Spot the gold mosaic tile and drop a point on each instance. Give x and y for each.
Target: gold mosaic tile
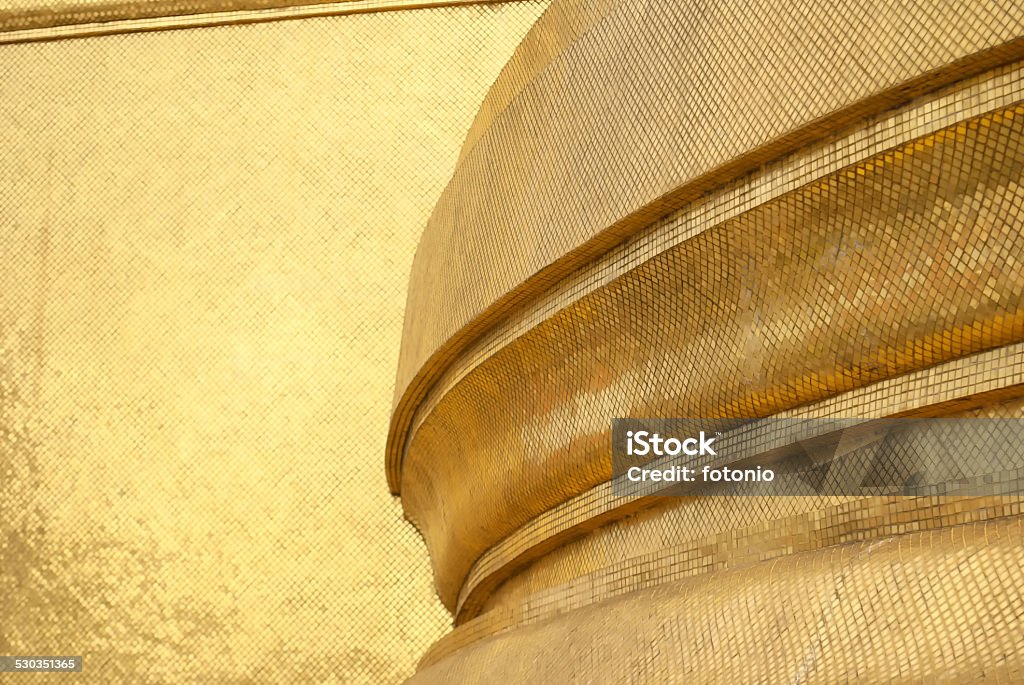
(206, 236)
(679, 537)
(732, 211)
(547, 539)
(825, 616)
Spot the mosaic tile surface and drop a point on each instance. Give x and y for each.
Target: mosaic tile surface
(205, 238)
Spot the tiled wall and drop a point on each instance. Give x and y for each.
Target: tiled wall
(205, 239)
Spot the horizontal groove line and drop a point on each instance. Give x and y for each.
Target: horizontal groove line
(77, 25)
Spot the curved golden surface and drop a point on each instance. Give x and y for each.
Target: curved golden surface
(598, 529)
(645, 109)
(719, 210)
(594, 572)
(684, 537)
(888, 265)
(935, 606)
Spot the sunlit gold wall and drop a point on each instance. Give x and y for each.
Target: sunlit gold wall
(205, 239)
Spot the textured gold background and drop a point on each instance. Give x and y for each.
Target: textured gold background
(206, 238)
